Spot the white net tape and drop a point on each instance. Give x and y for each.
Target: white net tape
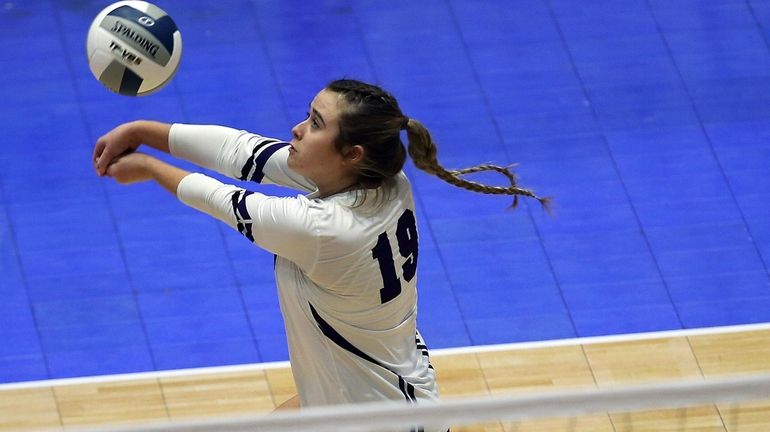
(526, 406)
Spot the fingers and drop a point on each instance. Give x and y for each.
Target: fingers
(105, 158)
(109, 147)
(110, 171)
(98, 150)
(128, 168)
(120, 170)
(104, 155)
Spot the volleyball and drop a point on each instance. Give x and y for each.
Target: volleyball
(133, 48)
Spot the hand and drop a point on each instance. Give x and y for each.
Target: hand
(131, 168)
(113, 145)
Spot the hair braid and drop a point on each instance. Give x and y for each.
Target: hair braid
(424, 153)
(506, 171)
(371, 117)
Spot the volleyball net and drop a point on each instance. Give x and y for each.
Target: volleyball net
(732, 404)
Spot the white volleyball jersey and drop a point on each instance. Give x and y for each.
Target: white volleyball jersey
(346, 273)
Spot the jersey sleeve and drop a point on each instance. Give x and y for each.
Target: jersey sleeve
(237, 154)
(280, 225)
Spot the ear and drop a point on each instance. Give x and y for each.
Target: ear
(354, 154)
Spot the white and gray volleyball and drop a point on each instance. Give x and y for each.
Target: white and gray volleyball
(133, 48)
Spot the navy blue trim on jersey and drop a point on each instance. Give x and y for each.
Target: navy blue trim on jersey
(406, 388)
(242, 213)
(163, 29)
(337, 338)
(423, 348)
(261, 160)
(250, 161)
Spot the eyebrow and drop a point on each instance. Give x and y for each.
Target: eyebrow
(320, 117)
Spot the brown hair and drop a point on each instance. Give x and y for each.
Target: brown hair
(371, 118)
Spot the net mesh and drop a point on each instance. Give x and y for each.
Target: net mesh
(735, 404)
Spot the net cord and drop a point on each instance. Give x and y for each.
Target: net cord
(522, 406)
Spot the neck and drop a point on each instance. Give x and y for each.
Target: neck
(334, 188)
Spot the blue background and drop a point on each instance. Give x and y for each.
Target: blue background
(647, 121)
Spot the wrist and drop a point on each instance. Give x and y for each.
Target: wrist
(164, 174)
(151, 166)
(133, 133)
(150, 133)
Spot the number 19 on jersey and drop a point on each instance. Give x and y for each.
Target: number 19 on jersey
(406, 238)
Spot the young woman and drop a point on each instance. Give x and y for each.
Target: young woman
(346, 252)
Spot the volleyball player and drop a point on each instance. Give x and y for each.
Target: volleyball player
(346, 251)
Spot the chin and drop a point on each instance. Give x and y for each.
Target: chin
(293, 164)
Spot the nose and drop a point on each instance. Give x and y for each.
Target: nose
(296, 131)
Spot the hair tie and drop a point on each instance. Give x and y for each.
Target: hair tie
(404, 122)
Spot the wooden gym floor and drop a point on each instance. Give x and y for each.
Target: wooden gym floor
(590, 362)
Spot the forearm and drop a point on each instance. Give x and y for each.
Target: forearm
(168, 176)
(150, 133)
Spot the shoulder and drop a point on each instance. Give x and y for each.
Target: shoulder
(402, 180)
(363, 207)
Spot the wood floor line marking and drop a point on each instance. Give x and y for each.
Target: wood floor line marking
(253, 367)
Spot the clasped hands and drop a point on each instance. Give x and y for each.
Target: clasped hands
(115, 156)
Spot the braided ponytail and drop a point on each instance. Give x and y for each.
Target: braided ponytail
(371, 117)
(423, 152)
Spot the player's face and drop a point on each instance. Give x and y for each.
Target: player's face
(312, 152)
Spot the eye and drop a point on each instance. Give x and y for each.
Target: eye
(313, 122)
